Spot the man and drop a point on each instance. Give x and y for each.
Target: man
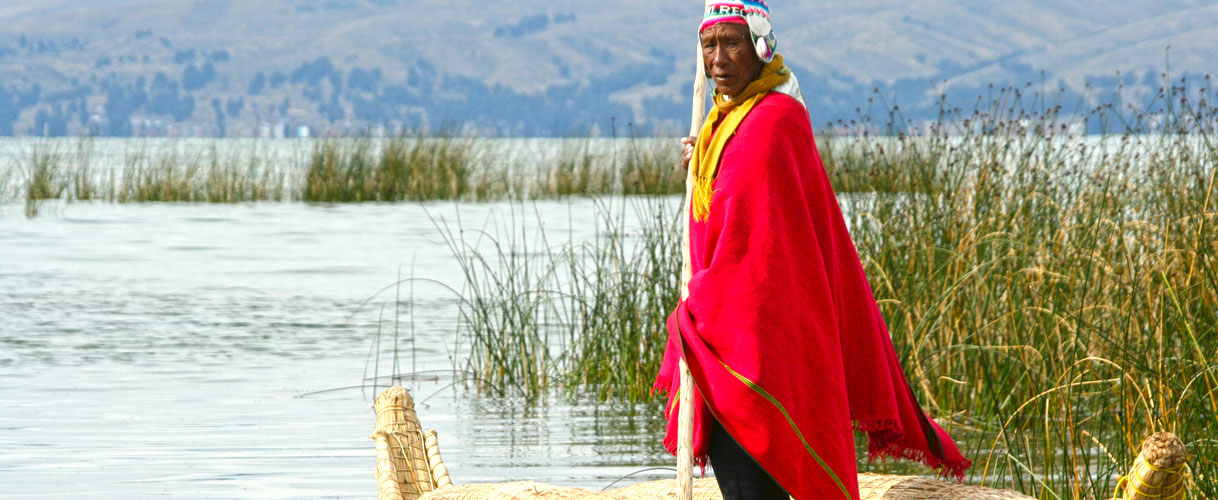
(780, 330)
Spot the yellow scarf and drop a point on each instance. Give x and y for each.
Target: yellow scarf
(705, 163)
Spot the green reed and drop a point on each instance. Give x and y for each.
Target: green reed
(420, 168)
(43, 174)
(882, 166)
(576, 171)
(1053, 296)
(508, 306)
(54, 173)
(243, 176)
(638, 168)
(9, 179)
(621, 285)
(581, 315)
(170, 174)
(651, 170)
(414, 168)
(435, 168)
(41, 180)
(165, 173)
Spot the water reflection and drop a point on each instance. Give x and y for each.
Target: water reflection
(159, 349)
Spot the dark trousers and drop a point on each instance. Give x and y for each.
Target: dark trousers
(740, 478)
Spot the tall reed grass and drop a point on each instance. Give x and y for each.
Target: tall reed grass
(170, 175)
(640, 168)
(578, 314)
(1053, 295)
(449, 168)
(342, 170)
(401, 169)
(143, 172)
(1055, 292)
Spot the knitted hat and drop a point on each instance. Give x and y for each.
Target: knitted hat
(752, 13)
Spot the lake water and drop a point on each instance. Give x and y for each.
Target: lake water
(152, 350)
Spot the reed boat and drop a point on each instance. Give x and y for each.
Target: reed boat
(409, 467)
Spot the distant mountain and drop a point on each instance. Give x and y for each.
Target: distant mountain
(223, 67)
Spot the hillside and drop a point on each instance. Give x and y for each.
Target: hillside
(221, 67)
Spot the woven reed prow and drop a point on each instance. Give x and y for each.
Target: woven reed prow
(408, 462)
(1159, 471)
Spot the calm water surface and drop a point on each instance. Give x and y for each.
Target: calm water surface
(157, 350)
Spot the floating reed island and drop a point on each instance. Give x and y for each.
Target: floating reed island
(409, 467)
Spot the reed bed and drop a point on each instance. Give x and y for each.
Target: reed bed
(404, 169)
(583, 315)
(853, 166)
(1053, 295)
(1057, 294)
(576, 171)
(638, 168)
(464, 169)
(173, 176)
(142, 172)
(339, 170)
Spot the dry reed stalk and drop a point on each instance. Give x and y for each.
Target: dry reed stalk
(386, 471)
(1158, 472)
(439, 471)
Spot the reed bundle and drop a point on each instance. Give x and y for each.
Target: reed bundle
(1159, 471)
(402, 469)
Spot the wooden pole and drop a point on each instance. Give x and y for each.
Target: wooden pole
(685, 410)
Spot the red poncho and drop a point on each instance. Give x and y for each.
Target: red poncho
(781, 331)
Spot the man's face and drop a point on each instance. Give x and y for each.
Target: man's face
(730, 59)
